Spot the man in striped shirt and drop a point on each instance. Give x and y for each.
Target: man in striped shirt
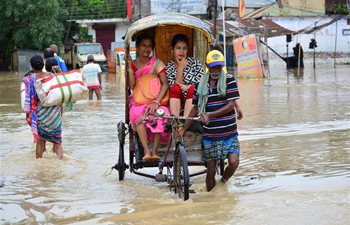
(215, 100)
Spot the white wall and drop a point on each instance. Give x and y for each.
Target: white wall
(120, 31)
(325, 37)
(92, 32)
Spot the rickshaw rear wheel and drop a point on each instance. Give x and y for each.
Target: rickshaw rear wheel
(180, 171)
(121, 162)
(121, 167)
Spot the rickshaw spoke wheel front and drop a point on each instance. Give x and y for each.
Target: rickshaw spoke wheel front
(181, 175)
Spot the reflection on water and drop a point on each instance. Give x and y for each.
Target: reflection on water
(294, 162)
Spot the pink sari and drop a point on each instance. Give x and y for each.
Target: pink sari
(153, 66)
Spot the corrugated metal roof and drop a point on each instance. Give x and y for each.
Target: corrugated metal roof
(259, 27)
(265, 26)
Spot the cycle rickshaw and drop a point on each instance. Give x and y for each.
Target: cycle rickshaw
(180, 152)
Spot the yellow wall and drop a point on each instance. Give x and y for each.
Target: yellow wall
(291, 8)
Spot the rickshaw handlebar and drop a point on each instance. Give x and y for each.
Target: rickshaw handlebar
(197, 118)
(160, 115)
(172, 117)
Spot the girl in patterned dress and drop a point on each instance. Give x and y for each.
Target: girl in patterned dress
(183, 73)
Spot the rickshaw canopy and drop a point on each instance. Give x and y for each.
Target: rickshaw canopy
(170, 18)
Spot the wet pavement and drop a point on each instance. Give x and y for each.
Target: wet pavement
(294, 160)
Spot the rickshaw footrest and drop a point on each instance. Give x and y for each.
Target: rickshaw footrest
(161, 177)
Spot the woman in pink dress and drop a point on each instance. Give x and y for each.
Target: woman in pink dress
(144, 65)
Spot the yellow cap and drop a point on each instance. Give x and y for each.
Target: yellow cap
(215, 58)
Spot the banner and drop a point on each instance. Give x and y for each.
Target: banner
(247, 57)
(181, 6)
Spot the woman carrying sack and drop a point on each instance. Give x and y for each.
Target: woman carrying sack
(45, 122)
(148, 97)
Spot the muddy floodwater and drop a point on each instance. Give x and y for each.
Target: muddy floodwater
(295, 160)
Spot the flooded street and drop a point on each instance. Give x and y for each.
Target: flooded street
(295, 160)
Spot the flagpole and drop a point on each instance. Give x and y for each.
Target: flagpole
(224, 27)
(129, 9)
(239, 19)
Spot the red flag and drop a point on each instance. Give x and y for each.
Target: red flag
(128, 9)
(241, 8)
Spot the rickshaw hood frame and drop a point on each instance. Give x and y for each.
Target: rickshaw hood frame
(170, 18)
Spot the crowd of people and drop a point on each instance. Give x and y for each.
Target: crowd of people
(179, 87)
(46, 122)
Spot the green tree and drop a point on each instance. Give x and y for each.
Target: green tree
(31, 24)
(35, 24)
(340, 9)
(97, 9)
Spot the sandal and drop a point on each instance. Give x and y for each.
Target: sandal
(155, 158)
(147, 158)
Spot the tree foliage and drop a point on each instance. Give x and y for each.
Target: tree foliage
(97, 9)
(31, 24)
(340, 9)
(35, 24)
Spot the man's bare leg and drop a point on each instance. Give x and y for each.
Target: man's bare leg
(98, 94)
(90, 94)
(210, 178)
(233, 162)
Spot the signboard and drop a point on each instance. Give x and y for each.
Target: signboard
(180, 6)
(247, 57)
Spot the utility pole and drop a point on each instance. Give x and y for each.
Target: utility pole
(267, 52)
(298, 60)
(315, 48)
(140, 6)
(223, 26)
(239, 19)
(215, 16)
(335, 43)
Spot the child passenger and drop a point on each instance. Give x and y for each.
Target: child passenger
(215, 99)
